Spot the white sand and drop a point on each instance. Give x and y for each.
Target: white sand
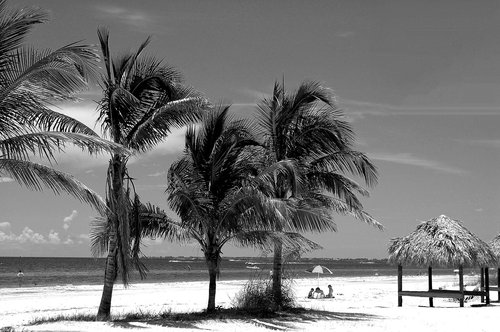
(360, 304)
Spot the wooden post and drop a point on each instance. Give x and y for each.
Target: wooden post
(498, 283)
(429, 273)
(487, 284)
(482, 284)
(461, 283)
(400, 285)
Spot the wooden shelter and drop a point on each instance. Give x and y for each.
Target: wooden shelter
(495, 246)
(445, 243)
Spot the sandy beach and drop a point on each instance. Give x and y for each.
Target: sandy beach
(368, 303)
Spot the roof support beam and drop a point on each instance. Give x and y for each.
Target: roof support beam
(429, 274)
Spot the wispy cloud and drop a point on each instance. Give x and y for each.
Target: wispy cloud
(411, 160)
(135, 19)
(67, 220)
(131, 17)
(358, 109)
(489, 143)
(162, 173)
(253, 94)
(345, 34)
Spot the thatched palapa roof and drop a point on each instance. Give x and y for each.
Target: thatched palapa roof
(441, 242)
(495, 246)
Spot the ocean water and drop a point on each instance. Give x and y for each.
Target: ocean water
(48, 271)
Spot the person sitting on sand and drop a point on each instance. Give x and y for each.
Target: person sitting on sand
(318, 293)
(330, 292)
(310, 295)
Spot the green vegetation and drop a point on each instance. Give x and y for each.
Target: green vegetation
(305, 131)
(257, 296)
(143, 100)
(31, 81)
(261, 183)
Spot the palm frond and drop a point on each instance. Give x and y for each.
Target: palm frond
(49, 75)
(348, 161)
(44, 144)
(36, 176)
(157, 124)
(15, 24)
(46, 119)
(186, 191)
(265, 240)
(99, 236)
(156, 223)
(103, 35)
(336, 205)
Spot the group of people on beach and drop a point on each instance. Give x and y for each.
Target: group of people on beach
(319, 294)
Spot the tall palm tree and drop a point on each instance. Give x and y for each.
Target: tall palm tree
(213, 188)
(306, 130)
(30, 81)
(143, 101)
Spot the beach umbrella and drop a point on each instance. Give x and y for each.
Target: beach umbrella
(319, 269)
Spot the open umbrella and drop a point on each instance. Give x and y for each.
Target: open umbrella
(319, 269)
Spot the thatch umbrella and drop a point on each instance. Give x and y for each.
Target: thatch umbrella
(495, 246)
(441, 242)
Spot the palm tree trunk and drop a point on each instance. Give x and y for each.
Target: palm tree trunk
(277, 274)
(212, 259)
(110, 274)
(212, 272)
(117, 209)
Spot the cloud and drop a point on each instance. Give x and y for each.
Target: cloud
(5, 225)
(254, 94)
(67, 220)
(135, 19)
(345, 34)
(162, 173)
(359, 109)
(78, 239)
(27, 235)
(5, 179)
(53, 237)
(488, 143)
(409, 159)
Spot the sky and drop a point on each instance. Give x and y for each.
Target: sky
(418, 80)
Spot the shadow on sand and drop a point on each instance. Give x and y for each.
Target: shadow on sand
(281, 321)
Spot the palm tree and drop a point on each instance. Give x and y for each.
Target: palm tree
(143, 100)
(214, 190)
(307, 131)
(30, 81)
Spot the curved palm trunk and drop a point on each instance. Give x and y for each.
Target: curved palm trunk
(277, 274)
(117, 205)
(110, 275)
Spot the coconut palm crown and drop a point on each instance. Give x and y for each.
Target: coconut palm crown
(30, 82)
(213, 188)
(306, 131)
(143, 100)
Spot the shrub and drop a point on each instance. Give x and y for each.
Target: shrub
(257, 296)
